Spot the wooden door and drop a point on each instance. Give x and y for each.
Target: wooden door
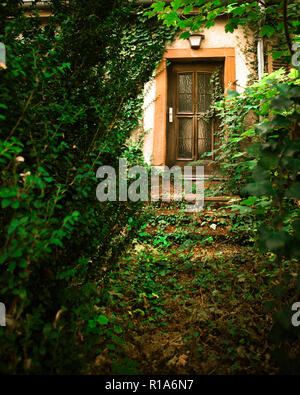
(189, 96)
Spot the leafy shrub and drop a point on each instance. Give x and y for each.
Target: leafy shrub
(69, 99)
(276, 178)
(239, 114)
(262, 159)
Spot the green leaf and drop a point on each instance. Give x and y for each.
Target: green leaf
(177, 4)
(267, 30)
(281, 103)
(185, 35)
(251, 200)
(102, 320)
(118, 329)
(260, 188)
(158, 6)
(254, 149)
(92, 324)
(111, 347)
(294, 191)
(231, 94)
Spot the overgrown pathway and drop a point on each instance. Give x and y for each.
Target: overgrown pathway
(188, 298)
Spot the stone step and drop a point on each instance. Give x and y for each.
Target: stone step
(208, 200)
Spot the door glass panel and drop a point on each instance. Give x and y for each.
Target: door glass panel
(185, 92)
(204, 89)
(204, 137)
(185, 137)
(185, 148)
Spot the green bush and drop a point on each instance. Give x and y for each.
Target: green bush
(239, 114)
(260, 154)
(69, 99)
(262, 160)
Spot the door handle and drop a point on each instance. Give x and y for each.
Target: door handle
(170, 114)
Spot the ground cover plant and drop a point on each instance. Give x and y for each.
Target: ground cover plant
(194, 305)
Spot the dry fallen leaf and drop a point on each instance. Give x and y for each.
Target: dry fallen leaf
(182, 360)
(172, 361)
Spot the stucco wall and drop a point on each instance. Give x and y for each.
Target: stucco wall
(148, 119)
(215, 37)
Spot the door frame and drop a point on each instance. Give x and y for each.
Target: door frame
(160, 112)
(176, 68)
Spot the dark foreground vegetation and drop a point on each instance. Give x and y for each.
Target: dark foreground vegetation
(189, 297)
(70, 97)
(120, 287)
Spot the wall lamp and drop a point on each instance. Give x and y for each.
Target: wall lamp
(195, 40)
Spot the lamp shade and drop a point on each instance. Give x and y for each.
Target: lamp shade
(195, 40)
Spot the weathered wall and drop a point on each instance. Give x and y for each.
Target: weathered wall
(149, 107)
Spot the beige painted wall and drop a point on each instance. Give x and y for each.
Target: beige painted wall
(148, 119)
(215, 37)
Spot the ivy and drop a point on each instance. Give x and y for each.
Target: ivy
(70, 97)
(216, 95)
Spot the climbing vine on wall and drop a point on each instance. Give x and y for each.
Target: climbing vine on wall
(69, 99)
(216, 94)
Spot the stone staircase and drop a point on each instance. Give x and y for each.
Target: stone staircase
(207, 181)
